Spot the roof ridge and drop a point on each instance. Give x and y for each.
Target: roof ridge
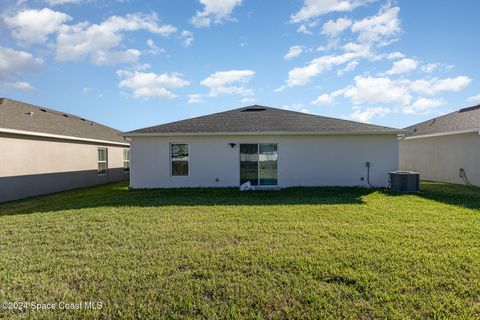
(442, 116)
(197, 117)
(58, 112)
(332, 118)
(51, 121)
(273, 119)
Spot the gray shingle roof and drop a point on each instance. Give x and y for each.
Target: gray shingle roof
(262, 119)
(463, 119)
(18, 115)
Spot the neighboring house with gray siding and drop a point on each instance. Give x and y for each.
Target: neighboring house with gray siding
(446, 148)
(45, 151)
(268, 147)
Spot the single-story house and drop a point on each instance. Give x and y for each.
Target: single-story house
(445, 148)
(268, 147)
(45, 151)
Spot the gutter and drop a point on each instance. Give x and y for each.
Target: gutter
(440, 134)
(264, 133)
(58, 136)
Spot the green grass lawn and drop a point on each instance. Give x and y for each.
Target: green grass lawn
(208, 253)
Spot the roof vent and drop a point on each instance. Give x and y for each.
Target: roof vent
(43, 110)
(254, 109)
(65, 115)
(29, 113)
(469, 109)
(83, 119)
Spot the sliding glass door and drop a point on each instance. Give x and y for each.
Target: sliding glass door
(249, 163)
(258, 164)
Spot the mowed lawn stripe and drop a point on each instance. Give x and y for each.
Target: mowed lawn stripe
(209, 253)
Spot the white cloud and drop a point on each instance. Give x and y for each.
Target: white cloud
(395, 55)
(231, 90)
(323, 99)
(368, 114)
(300, 76)
(186, 37)
(19, 85)
(229, 82)
(350, 67)
(195, 98)
(34, 26)
(153, 49)
(149, 84)
(403, 66)
(97, 42)
(381, 27)
(429, 67)
(60, 2)
(423, 106)
(293, 52)
(435, 85)
(222, 78)
(474, 99)
(315, 8)
(334, 28)
(377, 90)
(368, 90)
(214, 11)
(303, 29)
(115, 57)
(247, 100)
(13, 64)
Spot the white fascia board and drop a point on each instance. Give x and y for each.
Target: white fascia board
(58, 136)
(440, 134)
(264, 133)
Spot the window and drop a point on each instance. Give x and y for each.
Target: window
(126, 160)
(258, 164)
(179, 159)
(102, 161)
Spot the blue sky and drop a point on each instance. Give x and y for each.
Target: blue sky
(131, 63)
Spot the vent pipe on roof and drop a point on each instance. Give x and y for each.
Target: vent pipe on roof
(29, 113)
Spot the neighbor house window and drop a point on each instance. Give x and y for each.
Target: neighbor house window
(126, 160)
(179, 159)
(102, 160)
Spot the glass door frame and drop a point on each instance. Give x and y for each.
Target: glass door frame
(258, 163)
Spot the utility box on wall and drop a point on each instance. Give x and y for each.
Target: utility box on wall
(404, 181)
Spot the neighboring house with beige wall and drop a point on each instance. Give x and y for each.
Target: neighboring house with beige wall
(445, 148)
(45, 151)
(268, 147)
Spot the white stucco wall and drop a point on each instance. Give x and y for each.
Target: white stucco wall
(335, 160)
(440, 158)
(31, 166)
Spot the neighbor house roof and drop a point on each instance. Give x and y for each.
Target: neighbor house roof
(22, 118)
(262, 120)
(463, 120)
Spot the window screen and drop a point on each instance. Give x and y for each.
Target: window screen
(179, 159)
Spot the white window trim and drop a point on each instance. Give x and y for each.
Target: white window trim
(171, 160)
(124, 161)
(103, 161)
